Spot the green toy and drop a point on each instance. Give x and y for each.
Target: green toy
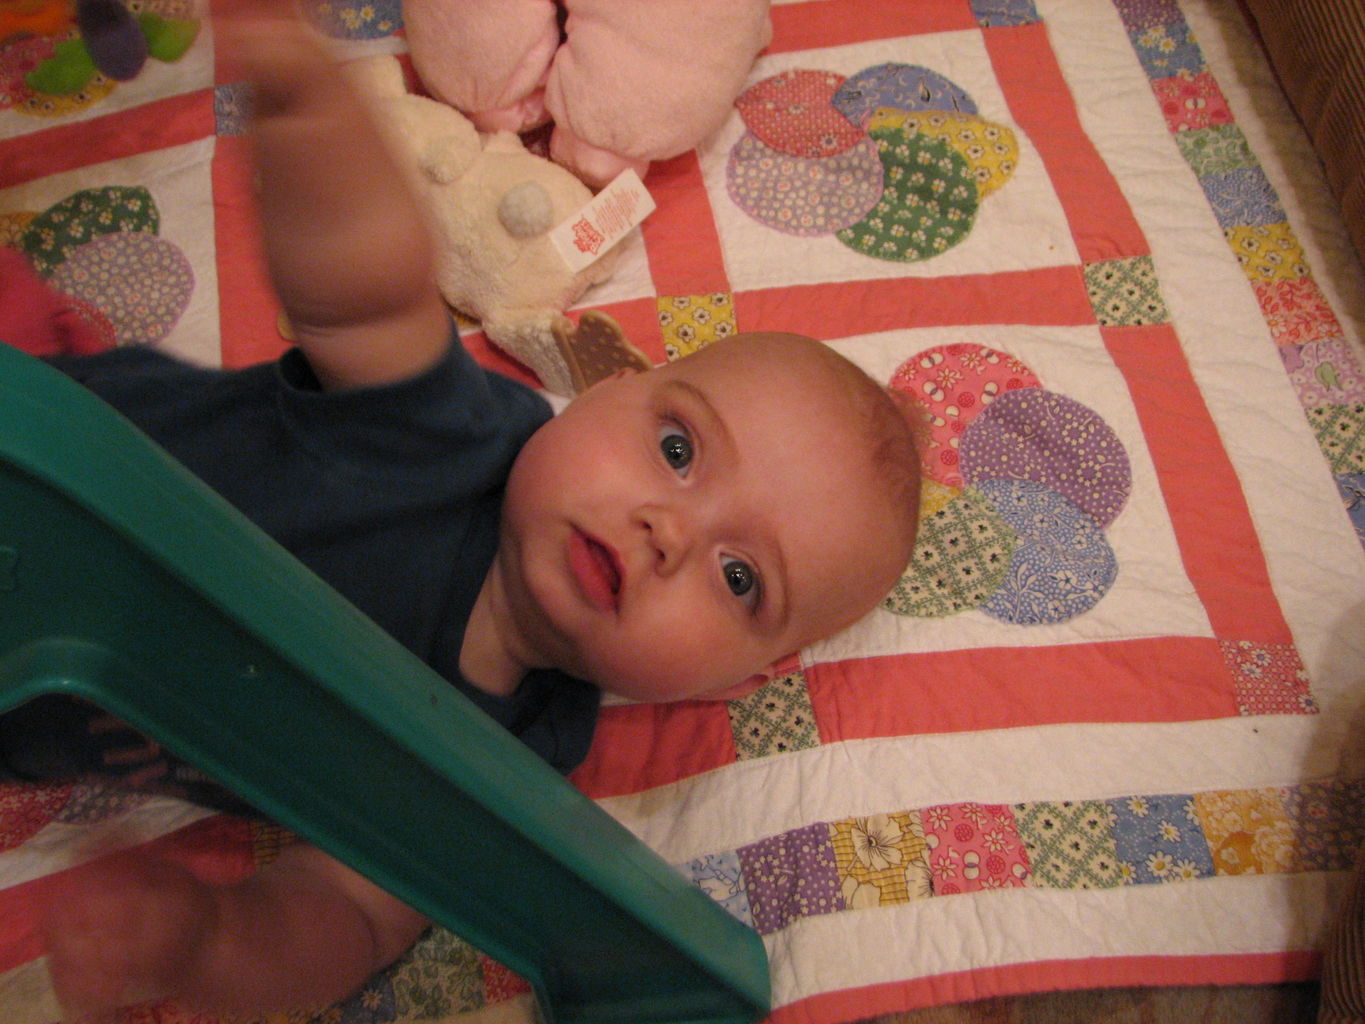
(124, 580)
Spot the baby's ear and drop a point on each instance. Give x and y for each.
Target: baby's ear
(745, 688)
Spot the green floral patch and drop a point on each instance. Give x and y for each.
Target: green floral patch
(83, 216)
(777, 718)
(1070, 845)
(928, 203)
(1216, 149)
(1340, 430)
(1124, 292)
(438, 976)
(960, 560)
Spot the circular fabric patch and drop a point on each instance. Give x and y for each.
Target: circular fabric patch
(901, 87)
(142, 283)
(356, 19)
(1063, 565)
(928, 202)
(17, 59)
(84, 215)
(794, 114)
(960, 559)
(802, 196)
(954, 383)
(41, 104)
(991, 150)
(25, 809)
(1036, 435)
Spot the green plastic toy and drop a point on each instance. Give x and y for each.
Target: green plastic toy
(124, 580)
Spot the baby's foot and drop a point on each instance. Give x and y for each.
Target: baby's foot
(124, 930)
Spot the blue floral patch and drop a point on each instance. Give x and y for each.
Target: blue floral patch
(998, 13)
(356, 19)
(721, 877)
(1063, 565)
(1242, 196)
(1167, 50)
(1159, 839)
(231, 108)
(1352, 488)
(376, 1003)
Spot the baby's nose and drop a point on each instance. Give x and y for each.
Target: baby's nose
(668, 531)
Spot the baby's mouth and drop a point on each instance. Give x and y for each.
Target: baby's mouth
(597, 570)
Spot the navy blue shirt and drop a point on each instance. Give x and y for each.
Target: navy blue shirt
(392, 494)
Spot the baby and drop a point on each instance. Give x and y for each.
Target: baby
(671, 534)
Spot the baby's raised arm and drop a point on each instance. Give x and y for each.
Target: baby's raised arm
(348, 249)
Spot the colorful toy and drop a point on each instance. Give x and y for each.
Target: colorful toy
(493, 204)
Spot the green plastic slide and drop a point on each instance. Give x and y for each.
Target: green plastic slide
(125, 580)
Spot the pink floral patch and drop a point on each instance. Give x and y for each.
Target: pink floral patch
(500, 983)
(1268, 679)
(1191, 102)
(794, 114)
(1296, 311)
(954, 383)
(17, 59)
(973, 847)
(25, 810)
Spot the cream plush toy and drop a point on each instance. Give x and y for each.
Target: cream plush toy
(492, 205)
(626, 82)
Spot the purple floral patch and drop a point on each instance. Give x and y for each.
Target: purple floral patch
(790, 876)
(1325, 372)
(1140, 14)
(140, 281)
(802, 195)
(1038, 435)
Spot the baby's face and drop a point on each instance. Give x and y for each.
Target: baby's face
(672, 533)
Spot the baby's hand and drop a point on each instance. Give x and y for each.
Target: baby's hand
(123, 930)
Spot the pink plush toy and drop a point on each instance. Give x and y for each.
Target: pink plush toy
(626, 82)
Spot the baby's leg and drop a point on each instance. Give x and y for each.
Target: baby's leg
(486, 58)
(303, 932)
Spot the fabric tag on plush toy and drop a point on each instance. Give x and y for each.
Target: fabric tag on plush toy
(606, 219)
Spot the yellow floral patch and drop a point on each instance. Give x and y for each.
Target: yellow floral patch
(690, 322)
(13, 225)
(1248, 832)
(1268, 252)
(881, 859)
(41, 104)
(934, 497)
(991, 150)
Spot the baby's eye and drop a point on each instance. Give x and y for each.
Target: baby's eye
(676, 447)
(742, 579)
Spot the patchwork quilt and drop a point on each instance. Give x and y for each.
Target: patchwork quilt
(1107, 728)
